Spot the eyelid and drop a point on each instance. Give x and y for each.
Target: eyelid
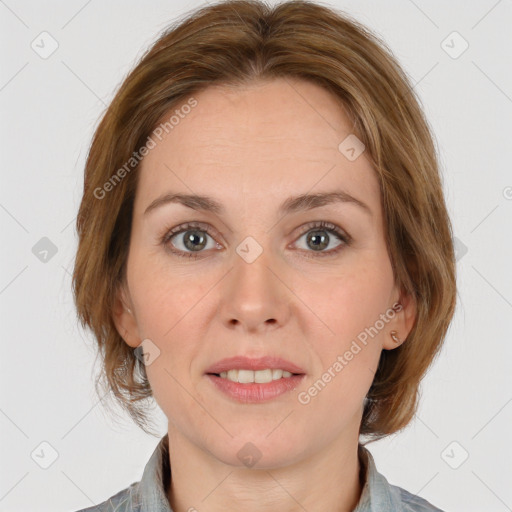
(327, 226)
(185, 226)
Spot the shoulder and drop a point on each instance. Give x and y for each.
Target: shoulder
(120, 502)
(413, 503)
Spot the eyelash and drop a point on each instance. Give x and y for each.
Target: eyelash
(318, 225)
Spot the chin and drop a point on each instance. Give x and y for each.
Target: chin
(259, 450)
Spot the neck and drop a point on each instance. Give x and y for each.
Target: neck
(326, 480)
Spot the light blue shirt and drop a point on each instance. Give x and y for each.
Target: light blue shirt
(150, 494)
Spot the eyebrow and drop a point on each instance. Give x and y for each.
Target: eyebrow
(293, 204)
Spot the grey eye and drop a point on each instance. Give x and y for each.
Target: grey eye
(191, 240)
(319, 239)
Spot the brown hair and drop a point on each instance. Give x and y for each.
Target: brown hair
(236, 42)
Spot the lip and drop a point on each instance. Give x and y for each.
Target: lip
(255, 392)
(250, 363)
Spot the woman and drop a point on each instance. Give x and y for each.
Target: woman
(264, 248)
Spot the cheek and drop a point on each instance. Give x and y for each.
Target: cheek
(164, 296)
(353, 300)
(167, 314)
(349, 351)
(353, 328)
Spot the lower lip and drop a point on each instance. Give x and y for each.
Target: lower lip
(256, 392)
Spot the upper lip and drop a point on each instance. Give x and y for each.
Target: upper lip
(258, 363)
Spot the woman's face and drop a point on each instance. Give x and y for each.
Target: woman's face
(265, 278)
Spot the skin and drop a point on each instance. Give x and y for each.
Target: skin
(251, 148)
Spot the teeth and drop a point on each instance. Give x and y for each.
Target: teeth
(259, 376)
(277, 374)
(245, 376)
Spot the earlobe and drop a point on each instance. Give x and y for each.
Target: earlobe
(124, 320)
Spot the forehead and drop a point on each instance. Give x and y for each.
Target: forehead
(271, 138)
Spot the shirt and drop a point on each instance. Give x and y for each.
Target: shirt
(150, 494)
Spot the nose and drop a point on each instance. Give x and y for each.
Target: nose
(254, 297)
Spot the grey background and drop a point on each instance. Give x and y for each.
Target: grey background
(49, 109)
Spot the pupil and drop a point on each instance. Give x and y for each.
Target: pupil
(319, 239)
(191, 238)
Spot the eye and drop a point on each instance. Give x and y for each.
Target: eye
(189, 240)
(321, 235)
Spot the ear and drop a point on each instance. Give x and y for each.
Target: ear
(405, 309)
(124, 318)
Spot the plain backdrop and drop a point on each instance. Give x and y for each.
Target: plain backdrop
(457, 453)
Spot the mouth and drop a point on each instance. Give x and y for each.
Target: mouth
(251, 380)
